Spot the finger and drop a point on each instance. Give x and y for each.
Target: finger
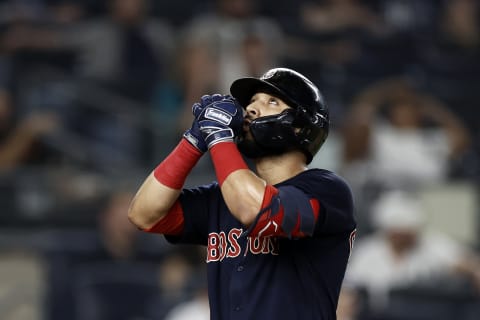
(206, 100)
(231, 99)
(227, 105)
(209, 99)
(197, 109)
(217, 97)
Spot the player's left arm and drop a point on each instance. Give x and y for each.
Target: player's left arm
(266, 210)
(241, 188)
(286, 211)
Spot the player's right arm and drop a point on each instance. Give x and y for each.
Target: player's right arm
(151, 203)
(155, 207)
(157, 197)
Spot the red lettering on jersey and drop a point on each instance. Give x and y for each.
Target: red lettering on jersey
(271, 246)
(221, 246)
(233, 246)
(255, 245)
(216, 247)
(213, 253)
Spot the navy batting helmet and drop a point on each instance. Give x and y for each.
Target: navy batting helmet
(304, 127)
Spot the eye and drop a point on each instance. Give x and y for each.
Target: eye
(273, 101)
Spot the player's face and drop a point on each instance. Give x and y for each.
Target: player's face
(261, 105)
(264, 104)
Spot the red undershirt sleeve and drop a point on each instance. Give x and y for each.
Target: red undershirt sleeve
(226, 159)
(172, 223)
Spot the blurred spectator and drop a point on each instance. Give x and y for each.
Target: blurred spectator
(21, 282)
(336, 16)
(450, 58)
(27, 34)
(119, 60)
(183, 284)
(127, 49)
(117, 236)
(116, 272)
(459, 23)
(402, 254)
(68, 74)
(65, 12)
(194, 309)
(92, 274)
(401, 137)
(329, 42)
(217, 46)
(407, 17)
(341, 28)
(21, 139)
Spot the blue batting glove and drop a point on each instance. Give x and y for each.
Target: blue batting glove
(193, 135)
(220, 121)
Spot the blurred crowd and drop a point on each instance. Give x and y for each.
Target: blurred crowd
(93, 94)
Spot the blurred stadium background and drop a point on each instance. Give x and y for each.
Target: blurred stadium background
(93, 94)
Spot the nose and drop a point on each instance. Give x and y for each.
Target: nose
(252, 111)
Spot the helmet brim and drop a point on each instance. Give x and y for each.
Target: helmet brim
(244, 89)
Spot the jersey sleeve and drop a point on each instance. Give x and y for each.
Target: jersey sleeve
(336, 204)
(315, 203)
(286, 212)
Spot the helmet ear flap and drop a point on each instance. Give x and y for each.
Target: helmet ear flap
(301, 117)
(303, 120)
(312, 130)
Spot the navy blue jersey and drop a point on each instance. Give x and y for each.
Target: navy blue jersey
(273, 277)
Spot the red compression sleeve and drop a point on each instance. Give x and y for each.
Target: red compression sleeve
(172, 223)
(226, 159)
(174, 169)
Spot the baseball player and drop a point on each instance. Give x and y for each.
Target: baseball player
(277, 239)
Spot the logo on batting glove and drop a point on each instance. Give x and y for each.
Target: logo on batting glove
(218, 115)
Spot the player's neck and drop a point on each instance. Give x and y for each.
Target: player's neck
(275, 169)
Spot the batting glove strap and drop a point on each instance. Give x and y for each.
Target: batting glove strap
(214, 133)
(194, 136)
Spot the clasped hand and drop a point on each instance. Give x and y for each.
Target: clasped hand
(218, 118)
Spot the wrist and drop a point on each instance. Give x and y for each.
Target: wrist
(194, 141)
(174, 169)
(195, 137)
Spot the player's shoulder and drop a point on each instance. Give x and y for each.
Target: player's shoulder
(320, 183)
(325, 174)
(322, 176)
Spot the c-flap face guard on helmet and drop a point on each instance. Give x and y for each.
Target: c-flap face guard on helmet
(308, 126)
(274, 132)
(291, 129)
(311, 130)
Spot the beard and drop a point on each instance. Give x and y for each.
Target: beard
(253, 150)
(250, 148)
